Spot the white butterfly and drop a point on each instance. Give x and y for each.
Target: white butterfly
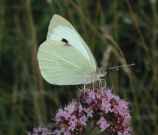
(64, 58)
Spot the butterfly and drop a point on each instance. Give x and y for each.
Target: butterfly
(64, 58)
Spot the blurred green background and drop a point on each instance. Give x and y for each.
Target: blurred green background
(118, 32)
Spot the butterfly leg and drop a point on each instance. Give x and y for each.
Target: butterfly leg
(93, 85)
(84, 87)
(103, 83)
(100, 83)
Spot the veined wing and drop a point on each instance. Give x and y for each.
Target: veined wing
(63, 65)
(60, 28)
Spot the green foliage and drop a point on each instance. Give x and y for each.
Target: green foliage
(118, 32)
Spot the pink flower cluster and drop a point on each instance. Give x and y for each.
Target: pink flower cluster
(95, 109)
(40, 131)
(106, 111)
(71, 119)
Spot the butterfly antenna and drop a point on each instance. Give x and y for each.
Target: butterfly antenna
(120, 66)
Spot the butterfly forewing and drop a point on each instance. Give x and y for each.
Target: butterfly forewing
(60, 28)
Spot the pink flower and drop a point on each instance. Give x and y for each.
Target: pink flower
(105, 105)
(122, 107)
(40, 131)
(103, 124)
(56, 132)
(83, 120)
(72, 123)
(70, 119)
(62, 115)
(127, 131)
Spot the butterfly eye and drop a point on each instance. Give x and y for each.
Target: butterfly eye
(64, 40)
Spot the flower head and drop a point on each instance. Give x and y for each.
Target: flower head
(96, 107)
(110, 112)
(70, 119)
(40, 131)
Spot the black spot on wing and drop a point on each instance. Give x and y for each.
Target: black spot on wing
(66, 42)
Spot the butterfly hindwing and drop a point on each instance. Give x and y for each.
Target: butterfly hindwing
(62, 64)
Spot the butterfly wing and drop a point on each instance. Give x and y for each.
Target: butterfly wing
(60, 28)
(63, 65)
